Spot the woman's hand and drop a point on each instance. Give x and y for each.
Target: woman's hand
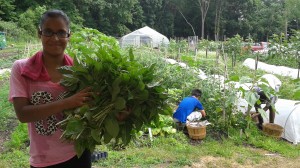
(123, 115)
(79, 99)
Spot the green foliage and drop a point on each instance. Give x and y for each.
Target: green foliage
(13, 32)
(19, 137)
(297, 90)
(7, 9)
(177, 46)
(163, 127)
(126, 87)
(203, 44)
(233, 47)
(284, 52)
(6, 112)
(172, 76)
(29, 20)
(258, 18)
(15, 158)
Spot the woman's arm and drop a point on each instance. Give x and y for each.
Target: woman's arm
(27, 112)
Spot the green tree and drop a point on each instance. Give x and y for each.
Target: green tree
(203, 5)
(29, 20)
(7, 10)
(267, 19)
(150, 8)
(293, 13)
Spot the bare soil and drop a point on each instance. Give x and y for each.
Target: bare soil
(271, 161)
(5, 134)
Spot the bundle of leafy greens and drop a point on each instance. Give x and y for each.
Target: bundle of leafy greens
(127, 89)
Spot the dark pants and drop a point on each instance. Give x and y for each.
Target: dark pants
(83, 162)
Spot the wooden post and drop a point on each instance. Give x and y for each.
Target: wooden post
(232, 59)
(256, 61)
(298, 70)
(298, 59)
(217, 57)
(225, 76)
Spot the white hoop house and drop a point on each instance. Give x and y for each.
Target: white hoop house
(144, 36)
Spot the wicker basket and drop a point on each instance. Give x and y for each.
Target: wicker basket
(196, 132)
(272, 130)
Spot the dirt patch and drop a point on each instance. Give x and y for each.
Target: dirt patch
(270, 160)
(5, 134)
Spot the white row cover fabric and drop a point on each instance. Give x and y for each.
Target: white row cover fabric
(287, 116)
(279, 70)
(201, 74)
(144, 36)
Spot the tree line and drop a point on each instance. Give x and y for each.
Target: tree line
(208, 19)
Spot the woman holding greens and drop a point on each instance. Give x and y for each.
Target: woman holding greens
(38, 98)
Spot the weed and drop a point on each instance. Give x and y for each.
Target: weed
(18, 138)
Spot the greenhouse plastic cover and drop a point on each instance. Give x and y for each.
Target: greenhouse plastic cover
(144, 36)
(279, 70)
(287, 116)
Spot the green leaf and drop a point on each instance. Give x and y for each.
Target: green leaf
(115, 88)
(251, 98)
(120, 103)
(80, 69)
(297, 95)
(144, 95)
(219, 109)
(126, 134)
(70, 78)
(81, 110)
(107, 137)
(138, 124)
(245, 79)
(96, 134)
(235, 78)
(131, 56)
(141, 85)
(125, 77)
(166, 111)
(137, 110)
(74, 126)
(111, 126)
(65, 70)
(262, 112)
(79, 148)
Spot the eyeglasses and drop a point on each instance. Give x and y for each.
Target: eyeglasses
(59, 34)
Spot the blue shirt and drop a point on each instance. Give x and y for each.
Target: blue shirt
(186, 107)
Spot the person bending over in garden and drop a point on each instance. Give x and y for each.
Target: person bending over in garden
(186, 108)
(38, 98)
(270, 101)
(264, 99)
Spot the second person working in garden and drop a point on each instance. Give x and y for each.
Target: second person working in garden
(188, 106)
